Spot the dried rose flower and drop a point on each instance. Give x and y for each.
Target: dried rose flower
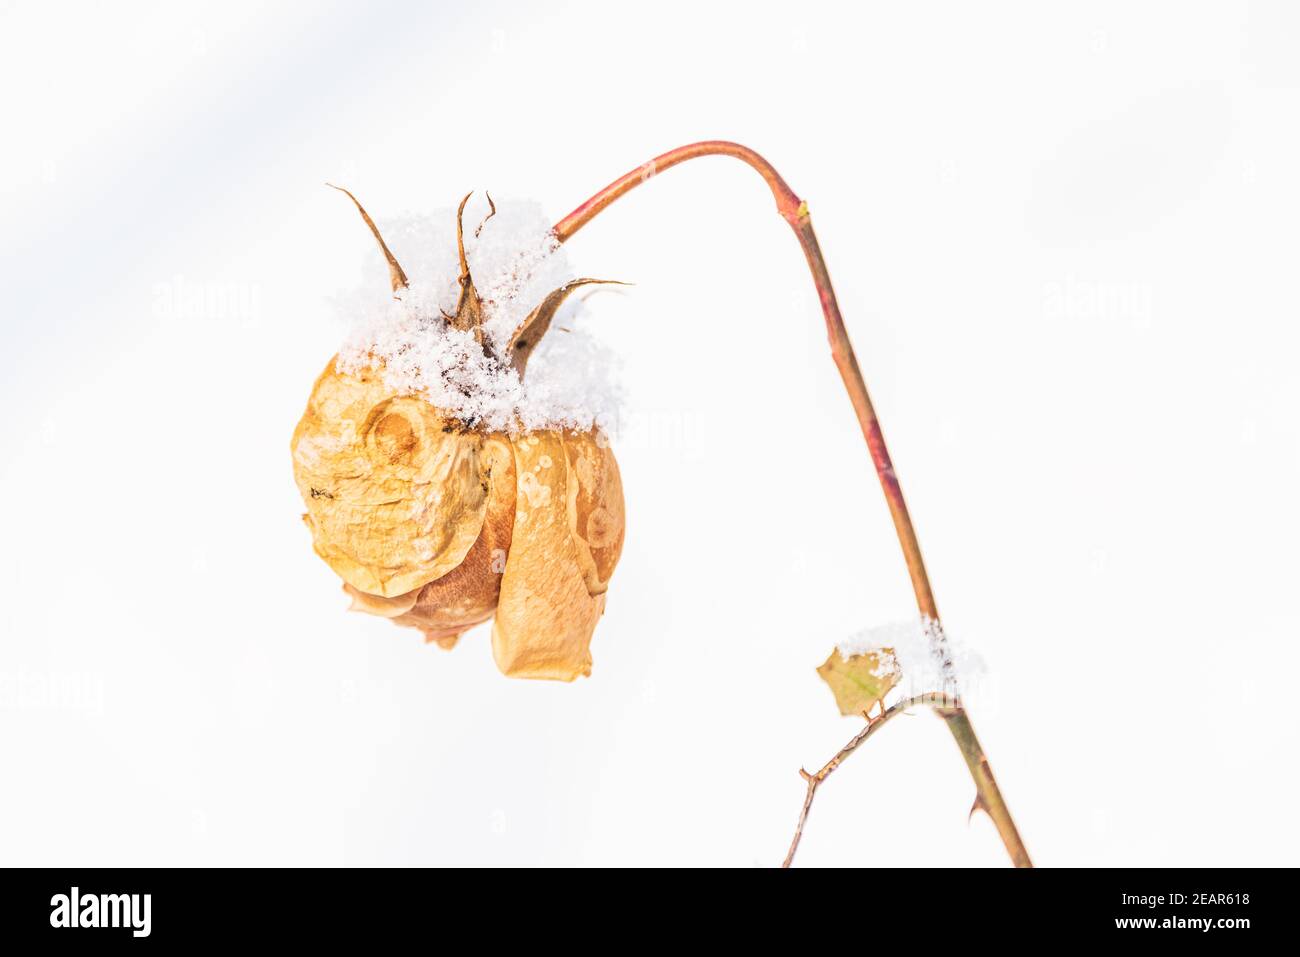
(436, 524)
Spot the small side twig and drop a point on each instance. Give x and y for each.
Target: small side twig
(934, 700)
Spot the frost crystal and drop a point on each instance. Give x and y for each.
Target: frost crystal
(516, 261)
(929, 660)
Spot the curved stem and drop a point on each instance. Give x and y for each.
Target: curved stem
(795, 212)
(787, 203)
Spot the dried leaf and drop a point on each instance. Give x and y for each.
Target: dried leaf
(859, 682)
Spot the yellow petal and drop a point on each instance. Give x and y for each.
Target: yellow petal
(467, 595)
(378, 605)
(545, 614)
(595, 506)
(396, 493)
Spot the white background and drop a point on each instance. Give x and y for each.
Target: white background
(1064, 239)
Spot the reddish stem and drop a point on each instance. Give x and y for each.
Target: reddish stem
(787, 203)
(795, 212)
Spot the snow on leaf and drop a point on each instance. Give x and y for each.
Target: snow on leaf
(930, 660)
(860, 681)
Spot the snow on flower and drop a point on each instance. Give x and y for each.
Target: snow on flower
(516, 261)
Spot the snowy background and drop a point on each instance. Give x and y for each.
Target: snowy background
(1065, 243)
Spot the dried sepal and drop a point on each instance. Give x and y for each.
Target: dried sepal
(530, 331)
(469, 307)
(492, 211)
(395, 273)
(860, 682)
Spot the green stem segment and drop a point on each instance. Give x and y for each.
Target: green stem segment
(795, 212)
(988, 796)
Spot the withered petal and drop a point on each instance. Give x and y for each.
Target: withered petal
(595, 506)
(545, 613)
(467, 595)
(378, 605)
(445, 642)
(396, 493)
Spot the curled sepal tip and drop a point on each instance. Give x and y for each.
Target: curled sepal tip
(531, 330)
(395, 272)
